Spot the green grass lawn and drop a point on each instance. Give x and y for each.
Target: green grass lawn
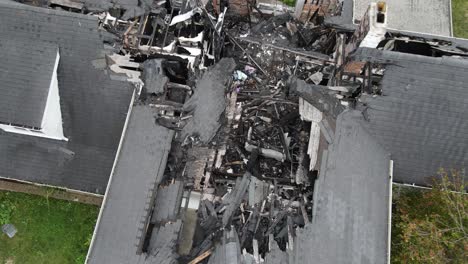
(460, 18)
(49, 231)
(429, 225)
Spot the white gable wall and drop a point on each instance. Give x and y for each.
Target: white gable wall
(52, 120)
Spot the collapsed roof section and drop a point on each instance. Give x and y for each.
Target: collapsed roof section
(157, 199)
(249, 174)
(208, 102)
(351, 209)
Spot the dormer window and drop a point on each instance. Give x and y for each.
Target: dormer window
(29, 84)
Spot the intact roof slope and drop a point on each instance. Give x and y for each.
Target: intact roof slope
(421, 117)
(351, 200)
(25, 77)
(138, 170)
(93, 106)
(427, 16)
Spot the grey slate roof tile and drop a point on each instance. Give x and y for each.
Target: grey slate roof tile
(94, 107)
(421, 117)
(25, 76)
(351, 199)
(138, 171)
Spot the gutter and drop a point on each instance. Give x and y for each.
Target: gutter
(412, 185)
(124, 131)
(53, 187)
(423, 187)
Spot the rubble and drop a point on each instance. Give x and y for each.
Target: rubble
(254, 164)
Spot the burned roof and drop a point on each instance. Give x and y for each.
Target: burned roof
(208, 101)
(420, 118)
(93, 106)
(25, 75)
(140, 165)
(459, 44)
(351, 200)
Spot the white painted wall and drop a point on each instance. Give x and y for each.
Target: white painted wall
(377, 30)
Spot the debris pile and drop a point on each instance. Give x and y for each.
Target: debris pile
(259, 183)
(241, 157)
(282, 46)
(256, 176)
